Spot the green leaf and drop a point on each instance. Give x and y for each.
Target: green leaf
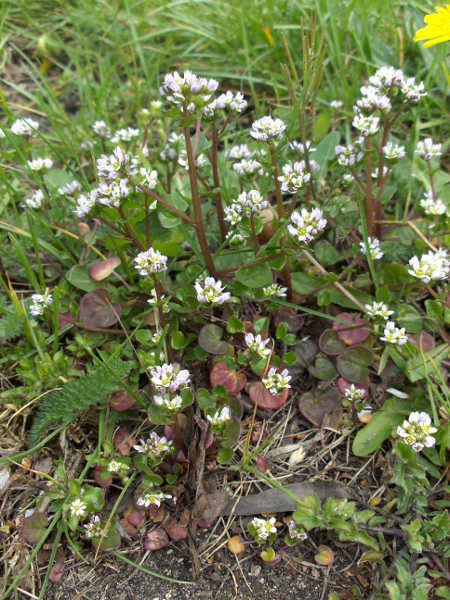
(225, 455)
(210, 339)
(420, 366)
(409, 318)
(281, 331)
(383, 294)
(325, 151)
(383, 424)
(261, 325)
(443, 591)
(304, 283)
(205, 400)
(234, 325)
(307, 512)
(353, 364)
(268, 555)
(434, 309)
(79, 277)
(325, 253)
(166, 217)
(255, 277)
(74, 487)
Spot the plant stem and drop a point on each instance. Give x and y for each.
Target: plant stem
(255, 263)
(167, 205)
(197, 203)
(215, 170)
(368, 204)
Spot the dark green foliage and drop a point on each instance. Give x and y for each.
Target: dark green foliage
(60, 407)
(11, 326)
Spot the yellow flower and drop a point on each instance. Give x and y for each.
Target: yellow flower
(437, 29)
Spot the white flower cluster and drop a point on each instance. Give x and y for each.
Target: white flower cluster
(307, 225)
(240, 152)
(200, 160)
(350, 155)
(268, 129)
(247, 168)
(69, 189)
(155, 446)
(301, 148)
(219, 418)
(25, 127)
(431, 206)
(110, 193)
(40, 302)
(36, 199)
(263, 528)
(93, 528)
(430, 267)
(172, 148)
(109, 168)
(229, 101)
(188, 89)
(149, 179)
(373, 100)
(374, 248)
(150, 261)
(170, 377)
(274, 291)
(256, 345)
(296, 532)
(277, 382)
(379, 309)
(389, 80)
(295, 177)
(86, 203)
(416, 431)
(366, 125)
(151, 497)
(394, 335)
(211, 292)
(101, 129)
(40, 164)
(427, 150)
(125, 135)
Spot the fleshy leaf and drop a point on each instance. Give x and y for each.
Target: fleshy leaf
(156, 540)
(232, 380)
(354, 363)
(261, 396)
(98, 310)
(331, 343)
(351, 335)
(325, 556)
(34, 528)
(104, 268)
(315, 406)
(210, 339)
(235, 546)
(323, 368)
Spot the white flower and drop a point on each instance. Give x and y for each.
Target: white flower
(85, 205)
(301, 148)
(413, 91)
(388, 78)
(26, 127)
(152, 498)
(101, 129)
(36, 199)
(277, 382)
(40, 302)
(172, 404)
(250, 202)
(374, 248)
(248, 167)
(78, 508)
(115, 466)
(432, 206)
(295, 177)
(379, 309)
(416, 431)
(211, 292)
(427, 150)
(239, 152)
(233, 213)
(220, 417)
(336, 104)
(308, 225)
(108, 168)
(125, 135)
(267, 129)
(393, 153)
(149, 179)
(367, 126)
(257, 345)
(69, 189)
(274, 291)
(40, 164)
(348, 155)
(155, 446)
(263, 527)
(354, 394)
(394, 335)
(169, 377)
(150, 261)
(431, 266)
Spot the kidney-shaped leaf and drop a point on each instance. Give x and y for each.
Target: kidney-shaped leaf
(210, 339)
(331, 343)
(351, 335)
(315, 406)
(98, 310)
(261, 396)
(232, 380)
(354, 363)
(156, 540)
(34, 527)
